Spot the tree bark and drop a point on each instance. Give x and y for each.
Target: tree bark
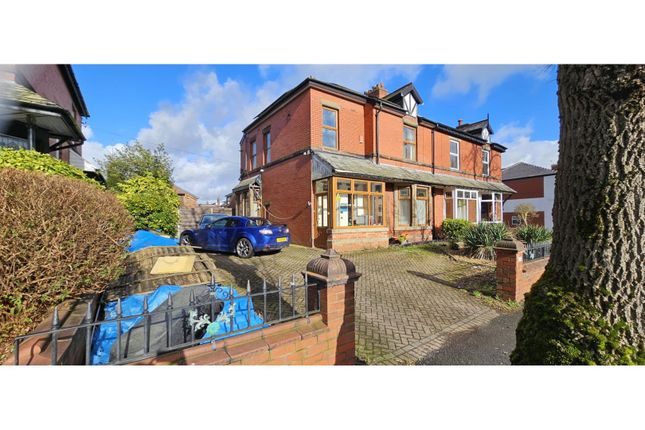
(598, 248)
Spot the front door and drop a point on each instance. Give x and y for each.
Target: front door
(322, 221)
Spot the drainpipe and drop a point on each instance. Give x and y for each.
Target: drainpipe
(376, 139)
(433, 163)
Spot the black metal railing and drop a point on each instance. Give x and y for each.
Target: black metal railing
(537, 251)
(265, 306)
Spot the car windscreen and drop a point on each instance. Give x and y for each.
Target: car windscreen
(258, 222)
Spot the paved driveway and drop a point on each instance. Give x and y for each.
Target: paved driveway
(409, 301)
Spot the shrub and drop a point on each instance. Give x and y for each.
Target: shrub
(481, 238)
(454, 229)
(59, 238)
(35, 161)
(152, 202)
(532, 234)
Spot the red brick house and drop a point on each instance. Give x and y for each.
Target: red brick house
(534, 185)
(41, 108)
(351, 170)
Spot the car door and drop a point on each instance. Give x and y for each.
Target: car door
(213, 233)
(229, 234)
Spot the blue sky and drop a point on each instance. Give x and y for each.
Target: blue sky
(198, 112)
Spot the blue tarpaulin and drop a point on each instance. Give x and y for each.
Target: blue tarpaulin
(143, 239)
(238, 309)
(106, 334)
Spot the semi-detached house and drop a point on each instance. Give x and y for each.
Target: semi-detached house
(351, 170)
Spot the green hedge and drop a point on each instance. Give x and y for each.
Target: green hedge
(152, 202)
(454, 229)
(24, 159)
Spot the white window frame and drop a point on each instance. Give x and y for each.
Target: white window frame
(495, 198)
(453, 153)
(462, 194)
(486, 162)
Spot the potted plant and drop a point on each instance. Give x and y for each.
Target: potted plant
(403, 239)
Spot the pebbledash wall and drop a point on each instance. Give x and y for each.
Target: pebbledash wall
(514, 276)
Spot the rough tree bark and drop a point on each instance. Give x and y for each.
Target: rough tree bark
(589, 305)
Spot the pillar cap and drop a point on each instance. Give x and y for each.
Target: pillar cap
(332, 268)
(510, 244)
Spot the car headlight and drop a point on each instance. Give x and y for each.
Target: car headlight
(266, 231)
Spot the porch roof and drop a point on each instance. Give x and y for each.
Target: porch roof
(19, 103)
(246, 183)
(356, 166)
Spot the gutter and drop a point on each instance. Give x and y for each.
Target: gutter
(376, 137)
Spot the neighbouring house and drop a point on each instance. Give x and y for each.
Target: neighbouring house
(186, 199)
(534, 185)
(351, 170)
(41, 108)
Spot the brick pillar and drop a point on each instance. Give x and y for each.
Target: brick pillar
(335, 278)
(510, 254)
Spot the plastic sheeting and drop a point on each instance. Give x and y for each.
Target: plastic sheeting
(143, 239)
(239, 310)
(106, 334)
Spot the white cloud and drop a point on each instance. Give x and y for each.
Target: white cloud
(461, 79)
(521, 148)
(202, 132)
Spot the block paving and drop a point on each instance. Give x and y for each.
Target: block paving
(408, 301)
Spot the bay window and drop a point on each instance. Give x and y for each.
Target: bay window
(466, 205)
(358, 203)
(491, 207)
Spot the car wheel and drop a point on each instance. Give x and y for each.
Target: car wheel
(185, 240)
(244, 248)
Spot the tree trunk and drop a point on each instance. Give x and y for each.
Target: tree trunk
(594, 285)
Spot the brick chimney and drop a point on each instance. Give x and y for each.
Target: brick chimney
(377, 91)
(459, 122)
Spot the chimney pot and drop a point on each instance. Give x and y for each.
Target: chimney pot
(461, 121)
(377, 91)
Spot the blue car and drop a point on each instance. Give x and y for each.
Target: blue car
(242, 235)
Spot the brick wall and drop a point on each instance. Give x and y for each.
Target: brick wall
(527, 188)
(515, 277)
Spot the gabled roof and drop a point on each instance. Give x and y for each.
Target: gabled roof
(360, 167)
(399, 93)
(74, 89)
(524, 170)
(476, 127)
(246, 183)
(180, 191)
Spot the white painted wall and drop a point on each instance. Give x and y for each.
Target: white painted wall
(544, 204)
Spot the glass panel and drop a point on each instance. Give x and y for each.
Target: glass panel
(486, 156)
(422, 192)
(448, 194)
(267, 146)
(377, 188)
(409, 134)
(460, 194)
(487, 197)
(486, 211)
(343, 210)
(329, 117)
(322, 186)
(360, 209)
(376, 217)
(462, 209)
(454, 162)
(329, 138)
(404, 212)
(360, 186)
(321, 211)
(422, 212)
(344, 184)
(409, 151)
(404, 192)
(454, 147)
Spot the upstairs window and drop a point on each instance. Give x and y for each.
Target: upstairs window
(409, 143)
(330, 128)
(267, 147)
(486, 161)
(454, 155)
(254, 155)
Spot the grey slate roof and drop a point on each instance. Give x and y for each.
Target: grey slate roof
(524, 170)
(348, 165)
(476, 126)
(245, 183)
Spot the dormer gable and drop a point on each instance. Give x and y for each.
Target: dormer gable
(407, 97)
